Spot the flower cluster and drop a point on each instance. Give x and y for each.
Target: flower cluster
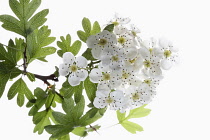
(129, 68)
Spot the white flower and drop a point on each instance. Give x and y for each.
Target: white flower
(169, 54)
(99, 41)
(74, 66)
(118, 20)
(134, 30)
(152, 83)
(113, 57)
(151, 62)
(139, 95)
(106, 79)
(125, 40)
(105, 97)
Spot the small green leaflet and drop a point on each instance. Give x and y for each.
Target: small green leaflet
(135, 113)
(21, 88)
(26, 22)
(36, 43)
(88, 30)
(65, 46)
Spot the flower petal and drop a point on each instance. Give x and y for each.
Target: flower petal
(82, 74)
(95, 75)
(73, 80)
(81, 62)
(68, 58)
(63, 70)
(96, 52)
(166, 64)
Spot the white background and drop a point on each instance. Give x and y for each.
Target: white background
(181, 109)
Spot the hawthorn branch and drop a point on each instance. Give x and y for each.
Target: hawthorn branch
(45, 79)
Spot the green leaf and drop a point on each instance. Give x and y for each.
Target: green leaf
(24, 11)
(61, 118)
(131, 127)
(67, 90)
(36, 43)
(58, 131)
(88, 54)
(41, 119)
(86, 24)
(109, 27)
(37, 20)
(90, 89)
(78, 110)
(82, 36)
(40, 101)
(68, 105)
(120, 116)
(65, 45)
(138, 112)
(96, 28)
(80, 131)
(78, 92)
(75, 48)
(43, 52)
(12, 24)
(3, 78)
(134, 113)
(50, 99)
(30, 76)
(91, 116)
(21, 88)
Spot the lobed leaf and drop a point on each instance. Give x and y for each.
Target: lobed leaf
(21, 88)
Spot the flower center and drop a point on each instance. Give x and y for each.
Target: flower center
(106, 76)
(102, 42)
(73, 68)
(115, 23)
(134, 33)
(115, 58)
(167, 53)
(125, 75)
(135, 96)
(147, 81)
(132, 61)
(109, 100)
(121, 40)
(147, 64)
